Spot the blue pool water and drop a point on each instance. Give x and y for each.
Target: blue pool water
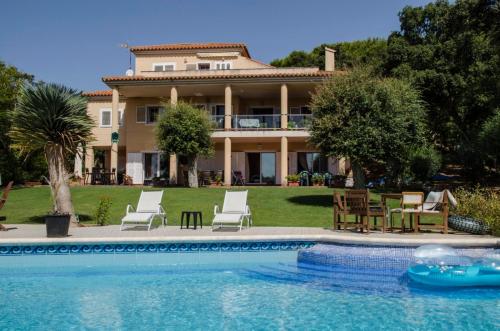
(265, 290)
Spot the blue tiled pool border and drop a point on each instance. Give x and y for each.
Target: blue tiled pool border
(131, 248)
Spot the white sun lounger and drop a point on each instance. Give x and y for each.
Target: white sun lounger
(148, 208)
(234, 211)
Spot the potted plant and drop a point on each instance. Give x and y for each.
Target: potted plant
(57, 224)
(293, 180)
(318, 179)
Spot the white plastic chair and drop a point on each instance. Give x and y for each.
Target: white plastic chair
(234, 211)
(148, 207)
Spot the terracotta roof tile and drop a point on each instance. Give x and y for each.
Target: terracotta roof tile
(191, 46)
(101, 93)
(207, 77)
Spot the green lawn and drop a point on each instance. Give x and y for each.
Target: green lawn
(270, 206)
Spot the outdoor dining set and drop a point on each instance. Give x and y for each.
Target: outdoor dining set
(355, 209)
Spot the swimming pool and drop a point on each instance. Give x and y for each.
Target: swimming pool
(228, 286)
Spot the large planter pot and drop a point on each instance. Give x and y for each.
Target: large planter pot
(468, 224)
(293, 183)
(57, 225)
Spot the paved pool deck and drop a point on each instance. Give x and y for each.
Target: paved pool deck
(19, 234)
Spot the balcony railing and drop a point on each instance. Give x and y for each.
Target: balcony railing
(256, 122)
(218, 121)
(262, 122)
(299, 121)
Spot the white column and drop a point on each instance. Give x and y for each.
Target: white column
(284, 160)
(284, 106)
(89, 158)
(173, 95)
(227, 161)
(228, 96)
(114, 128)
(173, 158)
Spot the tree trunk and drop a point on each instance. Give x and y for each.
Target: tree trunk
(358, 175)
(61, 195)
(193, 171)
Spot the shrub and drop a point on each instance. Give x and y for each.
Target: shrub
(479, 203)
(102, 212)
(293, 178)
(425, 162)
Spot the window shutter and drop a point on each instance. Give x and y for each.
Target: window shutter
(141, 114)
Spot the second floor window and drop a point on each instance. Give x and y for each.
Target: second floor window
(223, 65)
(204, 66)
(159, 67)
(148, 114)
(105, 118)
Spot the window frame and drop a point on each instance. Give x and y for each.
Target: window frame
(161, 109)
(228, 63)
(145, 114)
(173, 64)
(101, 111)
(203, 62)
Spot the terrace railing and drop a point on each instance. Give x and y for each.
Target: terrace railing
(299, 121)
(218, 121)
(256, 122)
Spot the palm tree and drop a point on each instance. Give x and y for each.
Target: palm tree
(52, 118)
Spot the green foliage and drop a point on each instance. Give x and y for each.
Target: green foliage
(450, 51)
(368, 119)
(318, 178)
(102, 213)
(489, 136)
(50, 114)
(184, 130)
(293, 178)
(12, 167)
(479, 203)
(425, 162)
(348, 54)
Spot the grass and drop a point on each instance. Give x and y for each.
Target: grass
(270, 206)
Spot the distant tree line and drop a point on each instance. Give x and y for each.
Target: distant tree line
(450, 53)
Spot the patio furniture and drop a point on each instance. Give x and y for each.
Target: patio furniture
(411, 204)
(234, 211)
(438, 204)
(187, 215)
(357, 203)
(238, 178)
(148, 207)
(206, 177)
(304, 178)
(388, 210)
(3, 200)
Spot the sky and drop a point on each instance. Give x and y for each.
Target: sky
(75, 43)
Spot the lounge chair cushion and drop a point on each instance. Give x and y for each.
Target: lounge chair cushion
(227, 218)
(138, 217)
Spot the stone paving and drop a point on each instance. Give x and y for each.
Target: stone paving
(35, 233)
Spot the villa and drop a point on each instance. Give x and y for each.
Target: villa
(260, 114)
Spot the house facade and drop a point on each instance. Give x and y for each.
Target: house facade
(260, 114)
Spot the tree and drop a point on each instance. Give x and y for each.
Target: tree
(450, 52)
(11, 81)
(370, 52)
(489, 137)
(369, 120)
(52, 118)
(185, 130)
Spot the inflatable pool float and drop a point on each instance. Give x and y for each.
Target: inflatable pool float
(441, 266)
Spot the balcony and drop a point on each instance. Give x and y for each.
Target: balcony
(256, 122)
(301, 121)
(262, 122)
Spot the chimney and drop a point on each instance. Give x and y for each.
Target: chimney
(329, 59)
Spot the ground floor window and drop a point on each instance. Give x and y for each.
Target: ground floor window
(261, 168)
(311, 162)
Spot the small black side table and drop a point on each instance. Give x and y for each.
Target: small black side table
(195, 215)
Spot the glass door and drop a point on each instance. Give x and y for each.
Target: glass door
(268, 168)
(150, 165)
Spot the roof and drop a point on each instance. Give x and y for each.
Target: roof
(191, 46)
(100, 93)
(318, 73)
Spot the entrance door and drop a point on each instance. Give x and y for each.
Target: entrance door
(261, 168)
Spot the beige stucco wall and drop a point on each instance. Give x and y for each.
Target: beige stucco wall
(144, 63)
(102, 135)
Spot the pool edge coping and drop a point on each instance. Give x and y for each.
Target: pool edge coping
(330, 238)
